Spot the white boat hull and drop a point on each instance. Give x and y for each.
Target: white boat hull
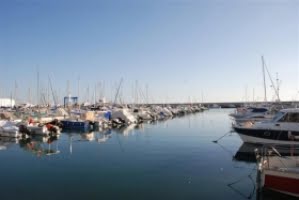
(257, 140)
(8, 129)
(281, 174)
(36, 130)
(14, 134)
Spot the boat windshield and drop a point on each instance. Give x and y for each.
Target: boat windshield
(259, 110)
(278, 116)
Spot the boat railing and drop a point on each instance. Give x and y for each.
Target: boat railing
(271, 160)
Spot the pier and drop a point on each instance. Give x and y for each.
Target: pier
(228, 104)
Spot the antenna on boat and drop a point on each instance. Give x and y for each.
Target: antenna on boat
(264, 78)
(278, 83)
(276, 89)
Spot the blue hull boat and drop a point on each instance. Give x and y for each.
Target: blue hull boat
(75, 125)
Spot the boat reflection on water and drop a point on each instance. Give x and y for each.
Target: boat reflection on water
(40, 146)
(89, 136)
(99, 136)
(271, 195)
(246, 154)
(7, 142)
(125, 130)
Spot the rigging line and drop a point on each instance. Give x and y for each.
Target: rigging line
(272, 82)
(216, 141)
(226, 150)
(243, 177)
(240, 193)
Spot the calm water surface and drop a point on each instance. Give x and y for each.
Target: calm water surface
(174, 159)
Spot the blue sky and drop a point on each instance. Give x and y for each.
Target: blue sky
(181, 49)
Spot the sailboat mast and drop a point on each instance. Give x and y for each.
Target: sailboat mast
(95, 95)
(29, 96)
(48, 94)
(146, 94)
(68, 90)
(272, 82)
(78, 89)
(15, 91)
(37, 87)
(118, 91)
(278, 86)
(264, 78)
(53, 94)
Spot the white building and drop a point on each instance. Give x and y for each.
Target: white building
(6, 102)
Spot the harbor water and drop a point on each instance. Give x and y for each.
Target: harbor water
(172, 159)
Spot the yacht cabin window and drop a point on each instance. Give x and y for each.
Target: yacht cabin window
(290, 117)
(278, 117)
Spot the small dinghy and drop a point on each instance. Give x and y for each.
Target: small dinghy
(39, 129)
